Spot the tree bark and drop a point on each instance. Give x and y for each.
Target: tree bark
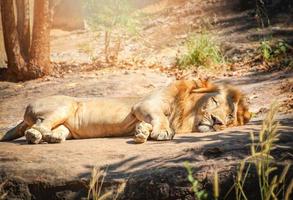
(16, 64)
(39, 63)
(23, 27)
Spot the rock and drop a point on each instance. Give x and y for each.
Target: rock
(153, 170)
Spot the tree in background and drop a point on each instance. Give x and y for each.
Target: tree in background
(23, 27)
(26, 59)
(16, 64)
(39, 61)
(112, 16)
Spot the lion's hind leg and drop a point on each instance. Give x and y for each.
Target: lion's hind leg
(15, 132)
(34, 135)
(142, 132)
(43, 126)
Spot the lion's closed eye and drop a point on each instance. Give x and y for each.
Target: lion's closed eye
(215, 101)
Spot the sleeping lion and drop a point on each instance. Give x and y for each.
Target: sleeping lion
(181, 107)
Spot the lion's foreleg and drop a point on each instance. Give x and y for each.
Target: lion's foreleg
(160, 124)
(161, 128)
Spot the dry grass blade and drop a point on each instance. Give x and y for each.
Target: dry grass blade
(289, 190)
(216, 185)
(264, 162)
(96, 186)
(2, 193)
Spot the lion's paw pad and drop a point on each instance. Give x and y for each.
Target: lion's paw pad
(33, 136)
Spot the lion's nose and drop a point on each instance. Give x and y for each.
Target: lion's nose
(216, 120)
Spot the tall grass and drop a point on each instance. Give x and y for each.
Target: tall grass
(271, 186)
(202, 50)
(95, 191)
(271, 183)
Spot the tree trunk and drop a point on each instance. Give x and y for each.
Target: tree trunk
(16, 64)
(23, 27)
(39, 63)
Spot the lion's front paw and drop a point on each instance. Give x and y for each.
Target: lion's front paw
(163, 135)
(33, 136)
(140, 138)
(142, 132)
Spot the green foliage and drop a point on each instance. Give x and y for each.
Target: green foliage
(201, 51)
(266, 50)
(270, 186)
(198, 193)
(111, 14)
(270, 51)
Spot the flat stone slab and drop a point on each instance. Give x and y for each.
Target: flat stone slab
(71, 162)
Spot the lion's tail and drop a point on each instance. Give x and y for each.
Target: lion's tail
(15, 132)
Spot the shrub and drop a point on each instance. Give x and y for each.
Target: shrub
(201, 51)
(270, 50)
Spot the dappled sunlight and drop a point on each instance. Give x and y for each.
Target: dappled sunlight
(166, 65)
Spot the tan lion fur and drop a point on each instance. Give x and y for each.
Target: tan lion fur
(183, 106)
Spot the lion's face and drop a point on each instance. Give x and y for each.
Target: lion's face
(222, 109)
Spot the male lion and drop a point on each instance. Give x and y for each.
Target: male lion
(183, 106)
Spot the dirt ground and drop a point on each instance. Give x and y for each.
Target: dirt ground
(153, 170)
(61, 171)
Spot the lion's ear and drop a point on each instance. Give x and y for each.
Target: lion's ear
(203, 85)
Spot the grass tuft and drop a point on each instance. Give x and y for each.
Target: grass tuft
(202, 50)
(96, 186)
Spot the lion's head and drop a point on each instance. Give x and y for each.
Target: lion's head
(211, 107)
(223, 107)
